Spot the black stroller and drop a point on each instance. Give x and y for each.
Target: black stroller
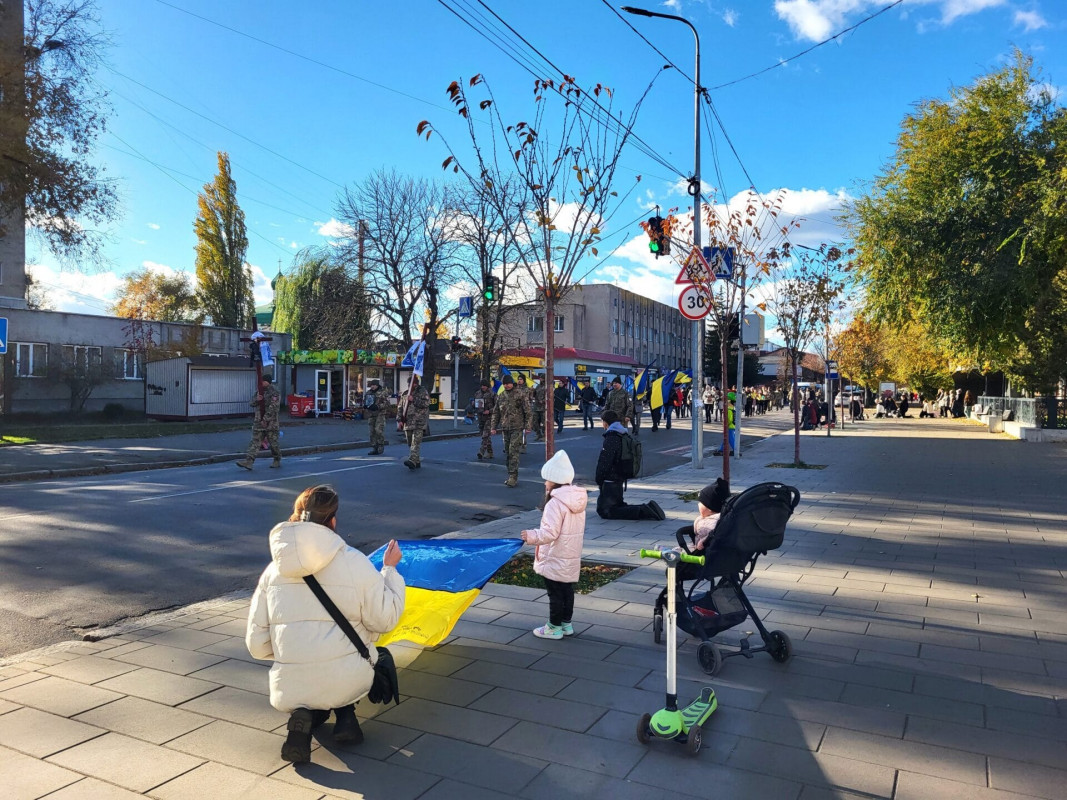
(752, 523)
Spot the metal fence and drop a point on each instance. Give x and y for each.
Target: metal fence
(1040, 412)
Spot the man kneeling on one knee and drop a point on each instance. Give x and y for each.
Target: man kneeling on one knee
(612, 482)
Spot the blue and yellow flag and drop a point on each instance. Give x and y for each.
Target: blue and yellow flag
(642, 379)
(443, 577)
(661, 389)
(685, 376)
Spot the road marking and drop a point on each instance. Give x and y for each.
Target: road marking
(233, 484)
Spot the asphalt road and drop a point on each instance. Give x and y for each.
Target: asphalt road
(78, 554)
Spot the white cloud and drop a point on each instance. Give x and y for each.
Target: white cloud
(138, 241)
(261, 291)
(816, 20)
(729, 16)
(335, 229)
(75, 292)
(153, 226)
(155, 266)
(1029, 20)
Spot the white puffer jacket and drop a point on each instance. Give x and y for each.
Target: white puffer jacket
(315, 664)
(558, 551)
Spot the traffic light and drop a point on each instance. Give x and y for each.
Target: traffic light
(457, 344)
(490, 289)
(655, 236)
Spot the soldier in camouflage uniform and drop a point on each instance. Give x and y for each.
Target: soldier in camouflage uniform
(620, 402)
(416, 417)
(264, 424)
(484, 402)
(525, 391)
(512, 417)
(374, 405)
(539, 408)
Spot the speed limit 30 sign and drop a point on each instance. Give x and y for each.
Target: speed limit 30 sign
(693, 303)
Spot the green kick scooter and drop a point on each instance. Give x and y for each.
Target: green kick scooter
(682, 726)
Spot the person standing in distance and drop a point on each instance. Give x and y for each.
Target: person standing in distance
(484, 402)
(589, 398)
(619, 401)
(374, 403)
(512, 417)
(524, 390)
(418, 414)
(559, 404)
(264, 424)
(538, 397)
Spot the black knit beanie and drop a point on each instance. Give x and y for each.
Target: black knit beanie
(715, 494)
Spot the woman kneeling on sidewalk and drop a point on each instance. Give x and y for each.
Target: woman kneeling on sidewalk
(316, 668)
(558, 543)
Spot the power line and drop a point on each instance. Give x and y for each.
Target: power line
(837, 35)
(225, 128)
(301, 56)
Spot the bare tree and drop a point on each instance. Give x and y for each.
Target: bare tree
(566, 178)
(400, 236)
(807, 287)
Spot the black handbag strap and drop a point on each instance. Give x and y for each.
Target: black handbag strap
(338, 617)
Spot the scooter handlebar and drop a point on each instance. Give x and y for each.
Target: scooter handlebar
(685, 557)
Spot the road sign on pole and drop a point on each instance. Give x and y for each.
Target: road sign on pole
(693, 303)
(466, 306)
(721, 261)
(3, 335)
(694, 270)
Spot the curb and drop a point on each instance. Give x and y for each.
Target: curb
(116, 469)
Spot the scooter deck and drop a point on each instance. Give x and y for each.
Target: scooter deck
(697, 712)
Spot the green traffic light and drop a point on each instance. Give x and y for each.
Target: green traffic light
(653, 247)
(488, 294)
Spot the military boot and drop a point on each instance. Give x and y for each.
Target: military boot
(512, 481)
(244, 463)
(276, 463)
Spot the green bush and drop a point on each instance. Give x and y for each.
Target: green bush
(113, 412)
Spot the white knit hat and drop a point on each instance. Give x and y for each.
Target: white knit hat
(558, 469)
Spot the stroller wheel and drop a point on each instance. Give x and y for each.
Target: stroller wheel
(780, 647)
(657, 628)
(710, 657)
(644, 731)
(696, 738)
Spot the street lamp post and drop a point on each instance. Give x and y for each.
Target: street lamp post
(694, 189)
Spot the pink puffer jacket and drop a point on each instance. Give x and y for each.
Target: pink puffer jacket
(558, 542)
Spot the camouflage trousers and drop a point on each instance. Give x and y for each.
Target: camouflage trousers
(258, 435)
(376, 424)
(512, 449)
(486, 448)
(539, 422)
(414, 444)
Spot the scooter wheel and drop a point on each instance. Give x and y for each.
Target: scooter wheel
(696, 738)
(657, 628)
(780, 646)
(644, 729)
(710, 658)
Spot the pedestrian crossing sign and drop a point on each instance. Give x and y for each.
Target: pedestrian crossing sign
(3, 335)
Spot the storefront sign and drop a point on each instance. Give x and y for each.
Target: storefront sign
(337, 357)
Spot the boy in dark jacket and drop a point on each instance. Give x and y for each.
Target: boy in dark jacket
(610, 503)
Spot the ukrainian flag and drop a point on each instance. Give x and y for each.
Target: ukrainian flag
(661, 389)
(684, 377)
(443, 577)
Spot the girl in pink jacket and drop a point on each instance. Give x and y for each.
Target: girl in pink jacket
(558, 543)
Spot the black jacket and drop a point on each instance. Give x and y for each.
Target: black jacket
(608, 464)
(559, 397)
(589, 394)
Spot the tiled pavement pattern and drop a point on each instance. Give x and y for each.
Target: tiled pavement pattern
(921, 582)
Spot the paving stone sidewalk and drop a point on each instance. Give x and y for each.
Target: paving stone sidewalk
(921, 582)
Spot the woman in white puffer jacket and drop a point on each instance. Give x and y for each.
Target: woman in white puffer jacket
(316, 667)
(558, 544)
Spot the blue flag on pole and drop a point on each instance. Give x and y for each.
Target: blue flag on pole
(414, 358)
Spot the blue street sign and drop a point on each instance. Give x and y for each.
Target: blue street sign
(3, 335)
(721, 261)
(466, 304)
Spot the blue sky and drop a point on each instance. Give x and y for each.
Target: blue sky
(309, 97)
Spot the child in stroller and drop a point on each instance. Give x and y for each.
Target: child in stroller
(750, 524)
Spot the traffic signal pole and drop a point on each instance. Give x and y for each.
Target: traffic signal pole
(455, 381)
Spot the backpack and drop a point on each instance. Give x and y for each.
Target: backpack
(370, 401)
(629, 463)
